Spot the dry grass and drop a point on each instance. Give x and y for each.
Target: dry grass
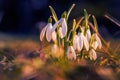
(25, 58)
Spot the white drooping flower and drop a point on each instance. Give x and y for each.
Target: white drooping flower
(86, 43)
(94, 44)
(97, 42)
(71, 53)
(49, 34)
(88, 34)
(83, 42)
(62, 29)
(76, 45)
(92, 54)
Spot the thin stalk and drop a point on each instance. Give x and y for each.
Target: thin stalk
(69, 11)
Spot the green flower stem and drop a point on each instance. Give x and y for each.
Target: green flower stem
(81, 54)
(58, 37)
(78, 23)
(69, 34)
(73, 35)
(65, 46)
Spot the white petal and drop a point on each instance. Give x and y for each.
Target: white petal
(54, 48)
(93, 55)
(71, 53)
(54, 37)
(75, 42)
(64, 27)
(80, 40)
(54, 26)
(98, 41)
(86, 44)
(48, 32)
(43, 33)
(60, 32)
(88, 34)
(94, 45)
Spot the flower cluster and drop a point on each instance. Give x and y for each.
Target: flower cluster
(76, 40)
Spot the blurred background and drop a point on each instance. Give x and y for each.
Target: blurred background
(30, 16)
(24, 57)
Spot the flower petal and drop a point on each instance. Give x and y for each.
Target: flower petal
(56, 24)
(80, 40)
(75, 42)
(64, 27)
(60, 32)
(88, 34)
(54, 48)
(48, 32)
(85, 42)
(93, 55)
(94, 45)
(54, 37)
(98, 41)
(43, 33)
(71, 53)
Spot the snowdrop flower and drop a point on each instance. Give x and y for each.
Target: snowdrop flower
(88, 34)
(94, 44)
(76, 45)
(83, 42)
(63, 29)
(49, 34)
(97, 42)
(54, 48)
(71, 53)
(47, 30)
(92, 54)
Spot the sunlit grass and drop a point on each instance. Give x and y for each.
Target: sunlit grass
(42, 66)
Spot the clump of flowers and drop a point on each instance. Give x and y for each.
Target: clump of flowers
(78, 40)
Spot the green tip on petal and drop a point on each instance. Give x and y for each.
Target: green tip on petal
(64, 15)
(85, 14)
(50, 20)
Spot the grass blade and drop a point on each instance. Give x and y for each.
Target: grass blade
(69, 11)
(95, 23)
(53, 14)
